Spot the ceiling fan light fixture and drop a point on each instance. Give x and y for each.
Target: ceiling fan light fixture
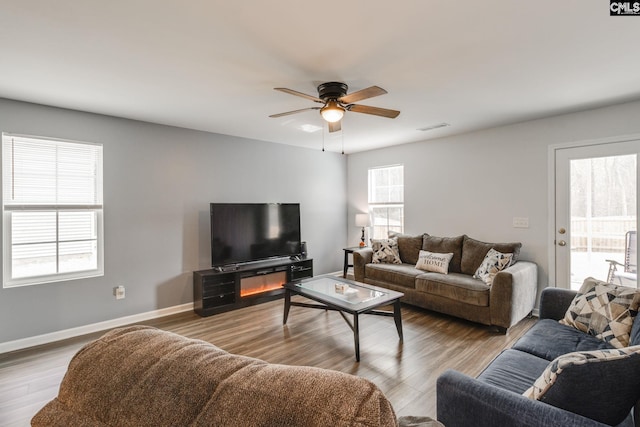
(332, 112)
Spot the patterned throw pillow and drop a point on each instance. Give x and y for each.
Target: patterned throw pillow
(493, 263)
(604, 310)
(430, 261)
(385, 251)
(598, 384)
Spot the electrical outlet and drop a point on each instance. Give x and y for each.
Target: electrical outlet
(118, 292)
(519, 222)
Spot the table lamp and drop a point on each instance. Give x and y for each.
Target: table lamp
(362, 220)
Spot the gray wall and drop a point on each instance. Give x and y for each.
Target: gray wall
(476, 183)
(158, 182)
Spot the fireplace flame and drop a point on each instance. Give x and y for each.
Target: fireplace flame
(260, 289)
(260, 284)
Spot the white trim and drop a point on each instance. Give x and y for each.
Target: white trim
(46, 138)
(23, 343)
(599, 141)
(9, 207)
(551, 215)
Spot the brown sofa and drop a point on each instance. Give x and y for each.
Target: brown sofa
(141, 376)
(504, 303)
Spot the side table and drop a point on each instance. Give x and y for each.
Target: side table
(346, 264)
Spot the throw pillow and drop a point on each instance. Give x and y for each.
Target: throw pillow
(599, 384)
(408, 246)
(493, 263)
(438, 263)
(385, 251)
(444, 245)
(474, 251)
(604, 310)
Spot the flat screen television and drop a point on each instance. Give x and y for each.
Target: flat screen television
(245, 232)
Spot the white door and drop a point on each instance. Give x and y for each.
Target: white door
(596, 205)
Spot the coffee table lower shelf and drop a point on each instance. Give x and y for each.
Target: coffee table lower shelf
(327, 302)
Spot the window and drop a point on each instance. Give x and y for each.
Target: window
(386, 200)
(52, 210)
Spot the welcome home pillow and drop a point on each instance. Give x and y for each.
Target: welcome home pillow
(385, 251)
(430, 261)
(599, 384)
(604, 310)
(493, 263)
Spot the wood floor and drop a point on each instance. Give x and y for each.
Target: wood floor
(406, 372)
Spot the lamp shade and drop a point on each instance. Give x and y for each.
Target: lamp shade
(362, 220)
(332, 112)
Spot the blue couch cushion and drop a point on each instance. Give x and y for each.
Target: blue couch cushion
(549, 339)
(634, 338)
(604, 310)
(513, 370)
(602, 384)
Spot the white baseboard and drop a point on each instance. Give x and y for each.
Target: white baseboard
(23, 343)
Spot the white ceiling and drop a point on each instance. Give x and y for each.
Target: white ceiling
(212, 65)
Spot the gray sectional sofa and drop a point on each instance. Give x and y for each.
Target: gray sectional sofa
(591, 392)
(504, 303)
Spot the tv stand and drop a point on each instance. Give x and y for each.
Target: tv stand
(227, 288)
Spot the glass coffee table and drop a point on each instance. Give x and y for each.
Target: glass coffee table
(345, 296)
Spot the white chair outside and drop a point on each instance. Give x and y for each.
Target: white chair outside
(627, 274)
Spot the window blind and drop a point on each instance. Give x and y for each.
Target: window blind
(386, 185)
(49, 173)
(52, 204)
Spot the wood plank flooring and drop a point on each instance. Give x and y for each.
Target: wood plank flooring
(406, 372)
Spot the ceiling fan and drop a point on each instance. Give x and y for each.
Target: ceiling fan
(335, 100)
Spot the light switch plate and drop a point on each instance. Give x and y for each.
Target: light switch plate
(520, 222)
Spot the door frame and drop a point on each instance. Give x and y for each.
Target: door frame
(551, 191)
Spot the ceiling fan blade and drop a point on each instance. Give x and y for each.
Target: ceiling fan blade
(294, 112)
(296, 93)
(369, 92)
(376, 111)
(335, 126)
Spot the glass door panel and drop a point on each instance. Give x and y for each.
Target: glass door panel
(596, 213)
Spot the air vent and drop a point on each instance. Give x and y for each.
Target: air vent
(436, 126)
(310, 128)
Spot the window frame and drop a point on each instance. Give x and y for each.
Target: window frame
(389, 204)
(8, 209)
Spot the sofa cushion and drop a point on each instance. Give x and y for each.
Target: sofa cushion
(140, 376)
(445, 245)
(493, 263)
(455, 286)
(634, 339)
(430, 261)
(385, 251)
(408, 246)
(474, 251)
(399, 274)
(513, 370)
(602, 384)
(604, 310)
(549, 339)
